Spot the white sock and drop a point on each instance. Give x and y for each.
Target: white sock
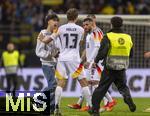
(87, 95)
(91, 92)
(105, 101)
(58, 93)
(80, 101)
(90, 88)
(108, 96)
(87, 104)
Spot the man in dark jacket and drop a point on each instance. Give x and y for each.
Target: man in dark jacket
(116, 48)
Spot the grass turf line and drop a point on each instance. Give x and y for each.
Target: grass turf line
(121, 109)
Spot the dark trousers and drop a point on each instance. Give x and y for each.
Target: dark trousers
(11, 83)
(108, 77)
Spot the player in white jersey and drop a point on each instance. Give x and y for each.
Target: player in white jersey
(69, 60)
(93, 39)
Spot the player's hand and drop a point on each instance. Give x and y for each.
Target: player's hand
(56, 54)
(94, 65)
(55, 30)
(40, 37)
(86, 65)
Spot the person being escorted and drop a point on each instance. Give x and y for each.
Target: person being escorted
(115, 49)
(47, 54)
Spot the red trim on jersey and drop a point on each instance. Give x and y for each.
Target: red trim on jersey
(100, 35)
(78, 71)
(98, 70)
(94, 35)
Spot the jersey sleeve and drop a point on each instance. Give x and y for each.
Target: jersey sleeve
(97, 37)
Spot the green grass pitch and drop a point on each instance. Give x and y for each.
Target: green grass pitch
(121, 109)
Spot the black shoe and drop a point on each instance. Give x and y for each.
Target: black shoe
(57, 111)
(93, 112)
(90, 111)
(96, 114)
(129, 102)
(52, 109)
(132, 107)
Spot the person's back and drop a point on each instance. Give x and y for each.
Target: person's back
(119, 52)
(70, 37)
(69, 63)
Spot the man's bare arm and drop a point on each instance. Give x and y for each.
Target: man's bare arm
(82, 51)
(83, 57)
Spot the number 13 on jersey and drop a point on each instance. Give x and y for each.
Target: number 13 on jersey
(71, 40)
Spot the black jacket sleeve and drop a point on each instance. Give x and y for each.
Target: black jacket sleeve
(103, 50)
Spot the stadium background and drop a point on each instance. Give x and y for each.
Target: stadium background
(21, 21)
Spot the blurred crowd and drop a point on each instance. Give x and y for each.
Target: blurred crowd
(21, 19)
(21, 11)
(109, 6)
(33, 11)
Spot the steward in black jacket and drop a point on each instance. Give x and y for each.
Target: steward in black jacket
(116, 49)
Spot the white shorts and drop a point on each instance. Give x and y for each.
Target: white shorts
(65, 69)
(94, 73)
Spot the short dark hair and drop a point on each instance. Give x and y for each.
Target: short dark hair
(51, 15)
(91, 16)
(72, 14)
(88, 19)
(116, 21)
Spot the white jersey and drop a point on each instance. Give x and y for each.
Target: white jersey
(70, 35)
(93, 40)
